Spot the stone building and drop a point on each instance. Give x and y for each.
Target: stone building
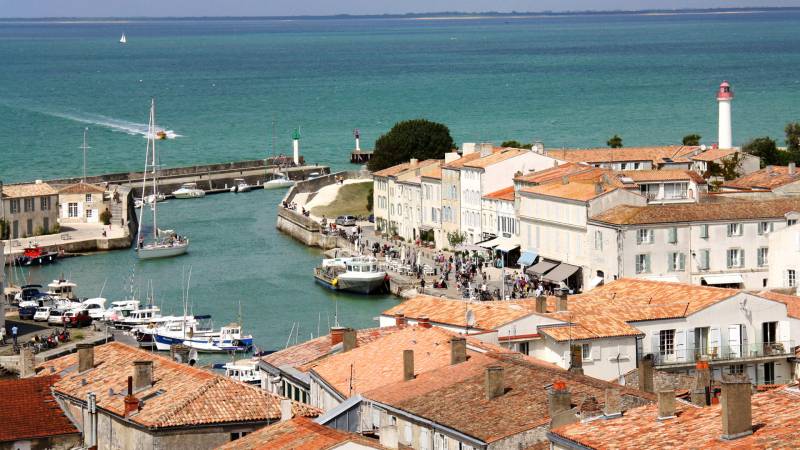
(82, 203)
(29, 209)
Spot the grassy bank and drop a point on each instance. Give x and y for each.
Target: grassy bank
(350, 200)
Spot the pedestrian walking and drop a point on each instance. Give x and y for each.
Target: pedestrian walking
(14, 331)
(422, 286)
(3, 335)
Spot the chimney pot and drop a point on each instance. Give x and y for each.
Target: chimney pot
(737, 414)
(558, 398)
(424, 322)
(494, 382)
(349, 340)
(337, 334)
(408, 365)
(562, 300)
(458, 350)
(286, 410)
(613, 403)
(541, 304)
(666, 405)
(131, 403)
(413, 162)
(85, 357)
(142, 375)
(400, 320)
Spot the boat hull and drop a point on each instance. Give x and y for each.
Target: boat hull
(162, 251)
(278, 184)
(192, 194)
(364, 286)
(163, 343)
(41, 260)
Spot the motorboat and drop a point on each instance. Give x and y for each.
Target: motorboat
(189, 190)
(243, 370)
(280, 181)
(359, 274)
(33, 255)
(62, 289)
(149, 200)
(173, 326)
(28, 292)
(228, 339)
(240, 185)
(95, 306)
(138, 317)
(120, 309)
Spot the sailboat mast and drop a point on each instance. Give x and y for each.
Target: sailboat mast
(144, 185)
(84, 147)
(152, 137)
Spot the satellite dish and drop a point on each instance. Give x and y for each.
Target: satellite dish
(470, 318)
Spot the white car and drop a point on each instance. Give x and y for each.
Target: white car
(56, 317)
(42, 314)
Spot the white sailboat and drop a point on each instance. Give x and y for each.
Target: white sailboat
(123, 39)
(165, 243)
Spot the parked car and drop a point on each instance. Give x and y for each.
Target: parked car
(56, 317)
(346, 221)
(42, 314)
(27, 312)
(77, 318)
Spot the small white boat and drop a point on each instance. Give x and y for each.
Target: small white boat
(138, 317)
(243, 370)
(279, 182)
(123, 39)
(240, 185)
(95, 306)
(359, 274)
(228, 339)
(120, 309)
(189, 190)
(173, 326)
(163, 248)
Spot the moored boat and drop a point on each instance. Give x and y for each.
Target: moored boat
(360, 275)
(280, 181)
(228, 339)
(189, 190)
(240, 185)
(33, 255)
(243, 370)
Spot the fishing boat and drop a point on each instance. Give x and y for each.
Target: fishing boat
(280, 181)
(359, 274)
(164, 244)
(227, 339)
(240, 185)
(189, 190)
(123, 39)
(62, 289)
(172, 325)
(120, 309)
(243, 370)
(137, 317)
(33, 255)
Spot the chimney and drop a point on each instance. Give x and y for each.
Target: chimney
(576, 359)
(458, 350)
(565, 179)
(424, 322)
(613, 403)
(286, 410)
(388, 437)
(450, 157)
(558, 398)
(646, 373)
(792, 168)
(541, 304)
(142, 375)
(399, 320)
(85, 357)
(666, 405)
(589, 408)
(131, 402)
(598, 188)
(701, 391)
(561, 301)
(486, 149)
(413, 162)
(349, 340)
(408, 365)
(494, 382)
(737, 414)
(467, 148)
(337, 334)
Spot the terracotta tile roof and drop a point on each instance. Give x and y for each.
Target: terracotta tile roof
(301, 354)
(82, 188)
(574, 190)
(181, 395)
(657, 155)
(488, 315)
(391, 171)
(27, 190)
(460, 162)
(770, 177)
(297, 434)
(643, 176)
(554, 173)
(454, 395)
(499, 154)
(28, 410)
(435, 173)
(503, 194)
(792, 302)
(714, 154)
(775, 417)
(381, 361)
(699, 212)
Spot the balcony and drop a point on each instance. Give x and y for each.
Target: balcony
(723, 353)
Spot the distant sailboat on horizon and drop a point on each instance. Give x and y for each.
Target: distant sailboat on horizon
(123, 39)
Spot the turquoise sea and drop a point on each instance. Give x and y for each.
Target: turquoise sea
(221, 84)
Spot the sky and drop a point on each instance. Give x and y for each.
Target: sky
(187, 8)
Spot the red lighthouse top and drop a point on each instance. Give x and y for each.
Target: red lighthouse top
(725, 92)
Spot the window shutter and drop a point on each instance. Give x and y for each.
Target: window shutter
(647, 263)
(741, 258)
(690, 345)
(682, 262)
(759, 374)
(730, 259)
(714, 338)
(734, 341)
(638, 236)
(655, 342)
(783, 333)
(680, 345)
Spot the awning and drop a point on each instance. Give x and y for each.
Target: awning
(491, 243)
(425, 228)
(729, 278)
(541, 267)
(470, 248)
(527, 258)
(507, 246)
(561, 273)
(664, 278)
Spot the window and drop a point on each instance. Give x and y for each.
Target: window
(736, 369)
(14, 205)
(703, 258)
(89, 213)
(791, 222)
(72, 210)
(666, 342)
(763, 257)
(523, 347)
(30, 227)
(44, 203)
(704, 231)
(735, 257)
(237, 435)
(598, 240)
(676, 262)
(672, 235)
(675, 191)
(29, 204)
(642, 263)
(791, 278)
(88, 198)
(735, 229)
(644, 236)
(701, 340)
(649, 191)
(764, 227)
(586, 352)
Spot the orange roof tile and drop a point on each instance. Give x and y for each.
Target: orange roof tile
(27, 190)
(435, 173)
(460, 162)
(554, 173)
(699, 212)
(392, 171)
(488, 315)
(498, 155)
(657, 155)
(29, 411)
(792, 302)
(454, 395)
(574, 190)
(181, 395)
(714, 154)
(503, 194)
(297, 434)
(82, 188)
(770, 177)
(775, 415)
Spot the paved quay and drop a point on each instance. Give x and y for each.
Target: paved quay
(75, 237)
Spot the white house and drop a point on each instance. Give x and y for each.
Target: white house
(394, 188)
(665, 186)
(784, 258)
(431, 228)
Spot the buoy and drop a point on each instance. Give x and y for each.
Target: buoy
(335, 282)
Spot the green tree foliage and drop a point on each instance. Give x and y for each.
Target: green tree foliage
(615, 142)
(418, 138)
(516, 144)
(692, 139)
(369, 198)
(455, 238)
(793, 139)
(105, 217)
(766, 149)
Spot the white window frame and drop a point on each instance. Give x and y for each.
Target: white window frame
(704, 262)
(791, 278)
(704, 231)
(72, 210)
(676, 262)
(735, 229)
(644, 236)
(735, 258)
(666, 342)
(642, 263)
(763, 256)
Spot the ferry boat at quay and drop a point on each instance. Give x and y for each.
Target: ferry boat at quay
(359, 274)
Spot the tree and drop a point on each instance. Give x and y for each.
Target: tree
(516, 144)
(692, 139)
(105, 217)
(615, 142)
(369, 198)
(766, 149)
(793, 138)
(455, 238)
(731, 167)
(418, 138)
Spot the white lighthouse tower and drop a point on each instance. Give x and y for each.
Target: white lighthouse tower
(724, 98)
(296, 146)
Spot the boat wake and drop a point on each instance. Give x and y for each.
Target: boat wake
(111, 123)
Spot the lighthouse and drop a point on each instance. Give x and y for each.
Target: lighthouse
(296, 146)
(724, 98)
